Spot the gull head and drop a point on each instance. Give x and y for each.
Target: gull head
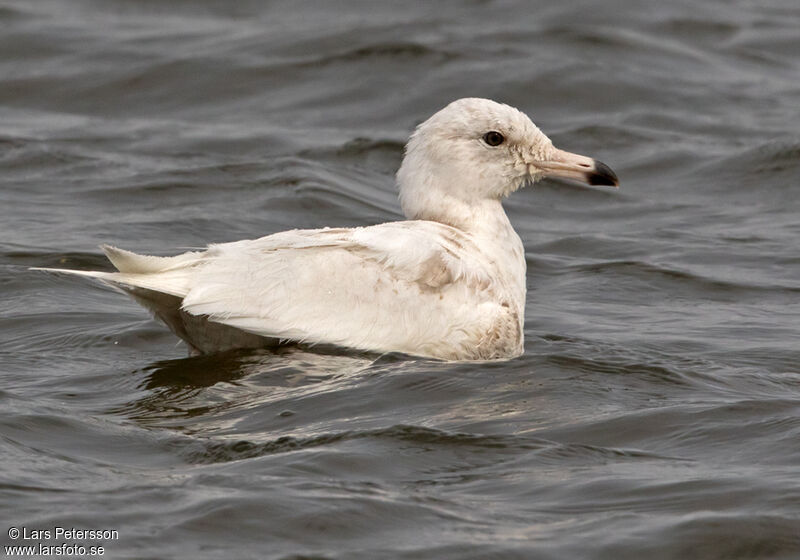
(477, 150)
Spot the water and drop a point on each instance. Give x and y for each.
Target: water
(656, 411)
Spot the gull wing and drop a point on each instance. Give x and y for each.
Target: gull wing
(392, 286)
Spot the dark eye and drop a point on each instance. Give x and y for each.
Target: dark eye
(493, 138)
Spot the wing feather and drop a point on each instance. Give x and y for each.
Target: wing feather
(392, 286)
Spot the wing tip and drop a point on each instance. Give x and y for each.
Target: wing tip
(89, 273)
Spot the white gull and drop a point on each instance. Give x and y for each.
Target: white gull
(447, 283)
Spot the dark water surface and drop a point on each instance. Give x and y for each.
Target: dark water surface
(656, 411)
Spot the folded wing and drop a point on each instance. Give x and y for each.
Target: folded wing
(407, 286)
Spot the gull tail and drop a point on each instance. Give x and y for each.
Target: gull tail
(168, 275)
(159, 284)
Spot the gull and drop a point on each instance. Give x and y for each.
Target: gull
(447, 283)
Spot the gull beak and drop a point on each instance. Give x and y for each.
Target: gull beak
(567, 165)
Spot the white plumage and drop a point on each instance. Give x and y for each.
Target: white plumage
(448, 283)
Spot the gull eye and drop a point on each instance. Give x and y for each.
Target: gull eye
(493, 138)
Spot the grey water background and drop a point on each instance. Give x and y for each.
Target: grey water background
(656, 411)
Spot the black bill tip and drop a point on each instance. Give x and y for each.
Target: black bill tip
(602, 175)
